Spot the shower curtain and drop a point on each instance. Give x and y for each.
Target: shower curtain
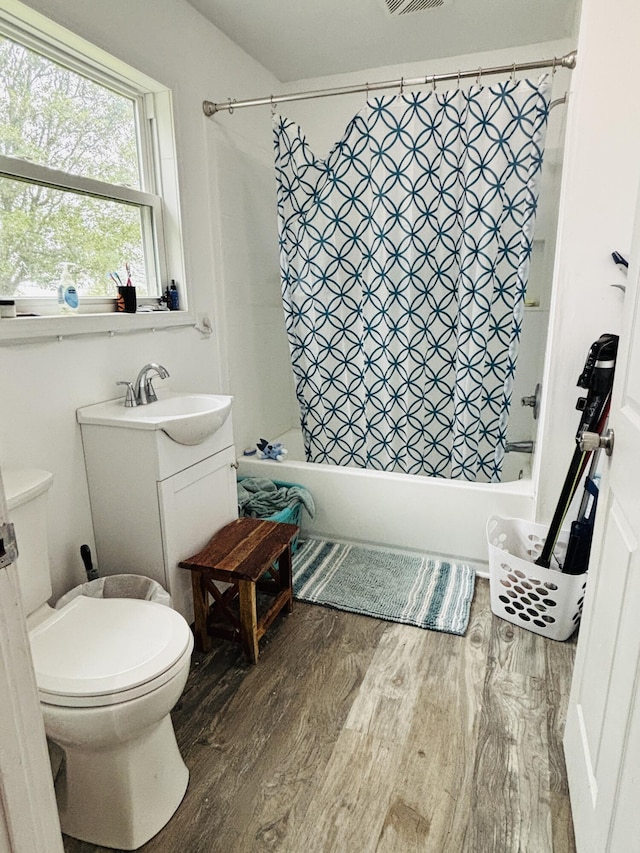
(404, 260)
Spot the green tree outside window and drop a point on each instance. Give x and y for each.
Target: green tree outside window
(57, 118)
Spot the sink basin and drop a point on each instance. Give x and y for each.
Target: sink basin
(185, 418)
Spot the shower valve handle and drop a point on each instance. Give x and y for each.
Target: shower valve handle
(533, 401)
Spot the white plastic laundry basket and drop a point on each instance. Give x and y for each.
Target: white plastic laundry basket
(544, 601)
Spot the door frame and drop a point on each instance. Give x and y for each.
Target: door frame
(28, 812)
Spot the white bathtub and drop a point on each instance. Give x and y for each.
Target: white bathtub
(401, 511)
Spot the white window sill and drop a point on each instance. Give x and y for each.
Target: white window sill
(24, 329)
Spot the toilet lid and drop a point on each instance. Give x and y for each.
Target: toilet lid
(99, 647)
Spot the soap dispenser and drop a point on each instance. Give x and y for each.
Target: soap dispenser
(68, 300)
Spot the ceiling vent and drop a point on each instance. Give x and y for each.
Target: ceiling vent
(403, 7)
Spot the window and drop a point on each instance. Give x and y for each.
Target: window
(83, 159)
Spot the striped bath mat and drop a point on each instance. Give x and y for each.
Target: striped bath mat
(406, 588)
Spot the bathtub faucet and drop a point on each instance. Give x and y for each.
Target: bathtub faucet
(143, 390)
(518, 447)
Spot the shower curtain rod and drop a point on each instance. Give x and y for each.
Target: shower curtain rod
(568, 61)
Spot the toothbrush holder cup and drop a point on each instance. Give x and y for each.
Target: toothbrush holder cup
(127, 301)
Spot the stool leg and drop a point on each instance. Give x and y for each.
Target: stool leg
(248, 619)
(285, 572)
(200, 612)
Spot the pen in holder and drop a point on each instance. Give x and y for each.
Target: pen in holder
(127, 299)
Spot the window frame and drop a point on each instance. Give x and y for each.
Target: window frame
(157, 200)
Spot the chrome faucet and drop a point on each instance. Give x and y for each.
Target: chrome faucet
(141, 392)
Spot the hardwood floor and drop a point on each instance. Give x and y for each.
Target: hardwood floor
(354, 735)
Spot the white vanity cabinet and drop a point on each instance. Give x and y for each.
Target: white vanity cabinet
(155, 502)
(193, 505)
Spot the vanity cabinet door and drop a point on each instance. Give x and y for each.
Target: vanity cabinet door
(194, 505)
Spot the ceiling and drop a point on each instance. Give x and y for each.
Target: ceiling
(297, 39)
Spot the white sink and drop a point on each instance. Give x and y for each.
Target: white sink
(185, 418)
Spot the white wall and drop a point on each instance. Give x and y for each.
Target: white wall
(43, 383)
(259, 365)
(598, 196)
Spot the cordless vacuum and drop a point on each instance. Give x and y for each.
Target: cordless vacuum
(597, 378)
(576, 559)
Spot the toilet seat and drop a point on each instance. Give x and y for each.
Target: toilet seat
(97, 652)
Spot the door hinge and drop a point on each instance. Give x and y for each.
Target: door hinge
(8, 545)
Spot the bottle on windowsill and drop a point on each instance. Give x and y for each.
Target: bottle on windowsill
(67, 294)
(173, 297)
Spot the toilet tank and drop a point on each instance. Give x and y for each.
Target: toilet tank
(26, 492)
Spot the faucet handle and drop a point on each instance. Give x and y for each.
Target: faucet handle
(130, 399)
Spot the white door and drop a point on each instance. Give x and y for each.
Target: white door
(602, 736)
(28, 812)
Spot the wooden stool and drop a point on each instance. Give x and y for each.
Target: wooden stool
(240, 554)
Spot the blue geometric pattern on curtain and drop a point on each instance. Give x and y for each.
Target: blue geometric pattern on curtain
(404, 259)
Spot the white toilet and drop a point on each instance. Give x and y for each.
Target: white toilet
(109, 671)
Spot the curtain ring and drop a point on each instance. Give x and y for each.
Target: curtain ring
(433, 83)
(459, 76)
(479, 77)
(402, 85)
(273, 107)
(231, 102)
(513, 73)
(553, 67)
